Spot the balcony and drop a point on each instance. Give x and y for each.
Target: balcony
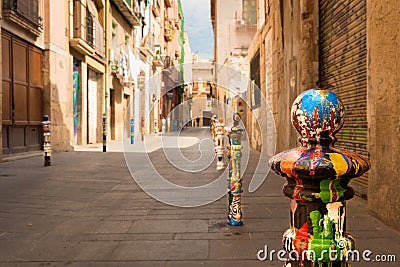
(24, 14)
(156, 7)
(147, 46)
(168, 29)
(241, 26)
(168, 3)
(83, 36)
(177, 25)
(127, 8)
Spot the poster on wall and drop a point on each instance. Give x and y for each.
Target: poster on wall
(75, 86)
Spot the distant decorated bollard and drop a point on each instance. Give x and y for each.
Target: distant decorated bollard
(46, 140)
(220, 149)
(234, 178)
(142, 128)
(214, 129)
(317, 182)
(132, 120)
(155, 127)
(104, 133)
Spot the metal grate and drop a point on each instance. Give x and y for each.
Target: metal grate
(89, 28)
(343, 66)
(343, 69)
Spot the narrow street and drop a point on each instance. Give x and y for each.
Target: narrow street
(86, 210)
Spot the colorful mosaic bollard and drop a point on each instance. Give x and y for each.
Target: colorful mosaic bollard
(234, 178)
(219, 149)
(317, 176)
(46, 140)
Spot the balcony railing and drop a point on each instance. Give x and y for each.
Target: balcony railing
(167, 62)
(147, 45)
(88, 34)
(24, 13)
(130, 11)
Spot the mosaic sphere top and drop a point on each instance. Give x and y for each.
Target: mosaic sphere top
(316, 112)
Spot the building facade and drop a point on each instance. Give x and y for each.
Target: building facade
(81, 60)
(85, 83)
(234, 26)
(172, 87)
(202, 82)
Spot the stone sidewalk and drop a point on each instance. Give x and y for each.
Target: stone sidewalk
(86, 210)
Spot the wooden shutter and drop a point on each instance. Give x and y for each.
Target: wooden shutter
(20, 90)
(35, 86)
(6, 80)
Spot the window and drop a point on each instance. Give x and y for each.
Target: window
(89, 28)
(255, 83)
(114, 34)
(24, 13)
(27, 9)
(127, 39)
(249, 11)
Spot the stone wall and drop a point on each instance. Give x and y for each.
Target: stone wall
(383, 42)
(1, 94)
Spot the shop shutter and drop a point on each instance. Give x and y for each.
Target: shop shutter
(343, 69)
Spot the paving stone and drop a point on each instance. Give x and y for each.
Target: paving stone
(162, 250)
(169, 226)
(96, 250)
(243, 250)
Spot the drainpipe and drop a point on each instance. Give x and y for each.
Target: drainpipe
(106, 78)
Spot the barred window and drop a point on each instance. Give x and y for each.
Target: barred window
(89, 28)
(255, 86)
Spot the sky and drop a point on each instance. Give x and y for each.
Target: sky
(198, 27)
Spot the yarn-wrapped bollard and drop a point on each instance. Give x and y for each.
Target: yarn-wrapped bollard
(46, 124)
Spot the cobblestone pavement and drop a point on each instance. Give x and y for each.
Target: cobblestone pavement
(86, 210)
